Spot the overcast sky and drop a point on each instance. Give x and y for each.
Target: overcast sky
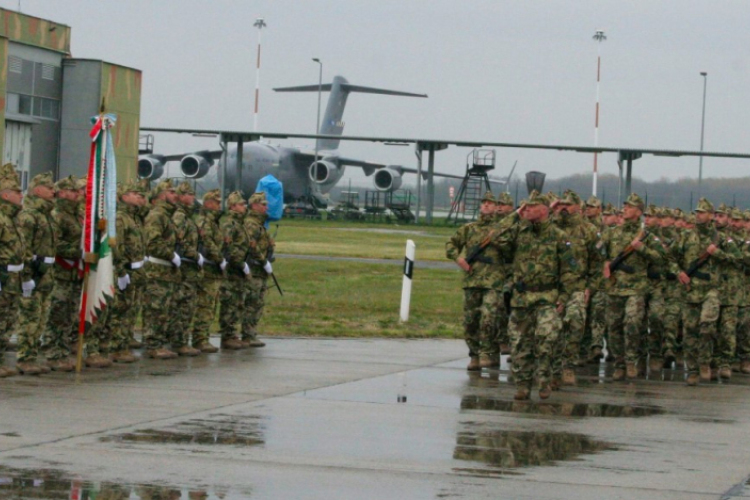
(494, 70)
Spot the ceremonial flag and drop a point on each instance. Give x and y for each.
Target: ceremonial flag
(99, 229)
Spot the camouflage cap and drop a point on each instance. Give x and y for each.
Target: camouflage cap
(677, 213)
(9, 178)
(704, 206)
(81, 183)
(133, 186)
(488, 197)
(185, 188)
(551, 197)
(736, 214)
(635, 201)
(165, 185)
(259, 198)
(67, 183)
(570, 197)
(235, 198)
(690, 219)
(44, 180)
(538, 199)
(746, 213)
(609, 210)
(504, 199)
(652, 211)
(594, 202)
(722, 209)
(214, 194)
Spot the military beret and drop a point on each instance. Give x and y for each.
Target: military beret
(214, 194)
(635, 201)
(538, 199)
(235, 198)
(259, 198)
(185, 188)
(704, 206)
(504, 199)
(488, 197)
(165, 185)
(67, 183)
(9, 178)
(594, 202)
(44, 180)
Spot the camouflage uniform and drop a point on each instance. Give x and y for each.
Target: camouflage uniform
(129, 261)
(183, 306)
(743, 312)
(501, 339)
(211, 243)
(653, 327)
(627, 289)
(541, 275)
(35, 222)
(674, 295)
(162, 276)
(12, 252)
(233, 289)
(482, 284)
(261, 247)
(593, 335)
(62, 324)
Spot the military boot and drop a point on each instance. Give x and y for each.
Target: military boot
(693, 379)
(555, 384)
(485, 361)
(124, 357)
(207, 347)
(631, 370)
(135, 344)
(256, 342)
(568, 377)
(6, 371)
(745, 366)
(186, 350)
(161, 353)
(232, 344)
(495, 361)
(504, 349)
(522, 394)
(619, 374)
(28, 368)
(97, 361)
(474, 364)
(61, 365)
(669, 358)
(725, 373)
(596, 356)
(545, 392)
(655, 364)
(705, 371)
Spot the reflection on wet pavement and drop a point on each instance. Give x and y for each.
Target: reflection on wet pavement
(232, 430)
(473, 402)
(54, 484)
(512, 449)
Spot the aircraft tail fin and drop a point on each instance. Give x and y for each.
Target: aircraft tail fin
(332, 122)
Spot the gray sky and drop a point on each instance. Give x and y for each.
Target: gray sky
(494, 70)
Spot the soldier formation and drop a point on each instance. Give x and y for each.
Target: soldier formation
(174, 262)
(557, 280)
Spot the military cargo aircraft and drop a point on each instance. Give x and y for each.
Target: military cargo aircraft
(302, 173)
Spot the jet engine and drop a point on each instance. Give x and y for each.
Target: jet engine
(327, 172)
(387, 179)
(151, 167)
(196, 165)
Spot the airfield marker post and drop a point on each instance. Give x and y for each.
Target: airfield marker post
(408, 273)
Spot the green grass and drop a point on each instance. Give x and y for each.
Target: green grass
(343, 299)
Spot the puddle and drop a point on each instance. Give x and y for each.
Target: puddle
(49, 484)
(228, 430)
(515, 449)
(562, 409)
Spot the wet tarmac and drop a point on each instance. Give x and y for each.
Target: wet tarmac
(321, 418)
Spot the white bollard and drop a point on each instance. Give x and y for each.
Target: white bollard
(408, 272)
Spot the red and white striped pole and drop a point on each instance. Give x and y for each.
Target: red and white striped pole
(260, 24)
(599, 37)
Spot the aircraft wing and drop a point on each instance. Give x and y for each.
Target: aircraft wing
(214, 155)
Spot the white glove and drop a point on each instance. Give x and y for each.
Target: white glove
(267, 268)
(201, 260)
(28, 287)
(123, 282)
(246, 269)
(176, 260)
(223, 264)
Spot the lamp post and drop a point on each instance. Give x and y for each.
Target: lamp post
(260, 24)
(317, 122)
(703, 124)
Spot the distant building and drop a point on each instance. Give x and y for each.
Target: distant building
(48, 98)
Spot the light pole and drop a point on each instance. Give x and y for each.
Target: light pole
(260, 24)
(703, 124)
(599, 37)
(317, 122)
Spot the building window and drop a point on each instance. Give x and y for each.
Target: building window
(24, 104)
(15, 64)
(48, 72)
(33, 106)
(46, 108)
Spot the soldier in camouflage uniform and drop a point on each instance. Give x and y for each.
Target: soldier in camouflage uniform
(162, 271)
(233, 289)
(541, 275)
(628, 287)
(62, 324)
(211, 243)
(700, 253)
(742, 232)
(730, 292)
(653, 326)
(597, 304)
(130, 273)
(12, 253)
(674, 292)
(38, 229)
(503, 210)
(482, 284)
(261, 248)
(581, 237)
(191, 270)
